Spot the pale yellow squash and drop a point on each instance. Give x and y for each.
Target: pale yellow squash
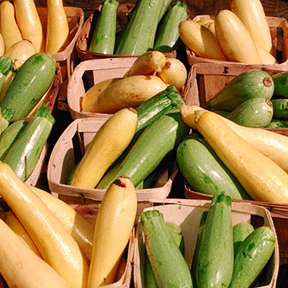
(58, 37)
(113, 228)
(8, 26)
(55, 244)
(2, 45)
(29, 23)
(21, 267)
(234, 38)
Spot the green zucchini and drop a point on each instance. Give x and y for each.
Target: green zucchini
(25, 151)
(9, 136)
(277, 123)
(240, 232)
(249, 84)
(252, 256)
(7, 115)
(164, 8)
(30, 82)
(169, 266)
(280, 108)
(165, 100)
(104, 36)
(158, 139)
(168, 37)
(254, 112)
(204, 171)
(140, 33)
(215, 257)
(281, 84)
(177, 235)
(6, 65)
(197, 246)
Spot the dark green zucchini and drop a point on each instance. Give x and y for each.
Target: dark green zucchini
(280, 108)
(240, 232)
(281, 84)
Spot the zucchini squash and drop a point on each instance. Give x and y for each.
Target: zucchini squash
(240, 232)
(215, 256)
(31, 81)
(24, 153)
(252, 83)
(261, 178)
(252, 256)
(167, 262)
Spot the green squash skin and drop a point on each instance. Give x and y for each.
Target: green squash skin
(255, 112)
(204, 171)
(280, 108)
(249, 84)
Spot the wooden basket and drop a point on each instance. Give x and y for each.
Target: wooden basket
(68, 57)
(89, 73)
(89, 212)
(187, 213)
(69, 148)
(279, 32)
(124, 14)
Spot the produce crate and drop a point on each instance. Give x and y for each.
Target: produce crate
(68, 150)
(206, 79)
(187, 213)
(89, 212)
(89, 73)
(68, 57)
(124, 14)
(279, 31)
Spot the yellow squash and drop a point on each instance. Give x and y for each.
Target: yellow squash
(108, 144)
(94, 91)
(2, 44)
(252, 14)
(200, 40)
(174, 73)
(234, 38)
(29, 23)
(21, 267)
(127, 92)
(55, 244)
(261, 178)
(113, 228)
(271, 144)
(147, 64)
(14, 224)
(79, 228)
(8, 25)
(58, 37)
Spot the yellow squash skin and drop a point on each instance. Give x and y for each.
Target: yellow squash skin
(265, 56)
(79, 228)
(262, 178)
(57, 38)
(14, 224)
(8, 25)
(29, 23)
(2, 44)
(271, 144)
(21, 267)
(200, 40)
(174, 73)
(252, 14)
(108, 144)
(147, 64)
(128, 92)
(55, 244)
(94, 91)
(114, 225)
(234, 38)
